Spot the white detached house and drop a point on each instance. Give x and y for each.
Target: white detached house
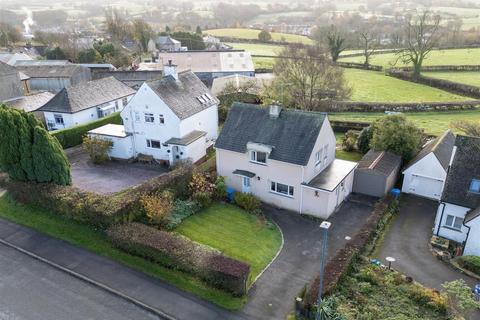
(172, 119)
(283, 157)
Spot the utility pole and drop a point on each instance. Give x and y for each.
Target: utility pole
(325, 225)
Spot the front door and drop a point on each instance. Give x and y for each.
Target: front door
(245, 184)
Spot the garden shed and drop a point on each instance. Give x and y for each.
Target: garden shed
(376, 173)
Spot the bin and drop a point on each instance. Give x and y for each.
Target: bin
(230, 193)
(395, 192)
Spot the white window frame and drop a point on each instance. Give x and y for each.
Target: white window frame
(150, 144)
(150, 116)
(57, 116)
(254, 157)
(452, 223)
(274, 189)
(124, 101)
(318, 157)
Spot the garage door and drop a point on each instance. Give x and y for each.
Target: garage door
(426, 187)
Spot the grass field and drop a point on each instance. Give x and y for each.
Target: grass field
(244, 33)
(435, 58)
(258, 48)
(95, 240)
(376, 87)
(236, 233)
(466, 77)
(432, 122)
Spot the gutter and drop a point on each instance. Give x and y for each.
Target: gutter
(441, 219)
(466, 238)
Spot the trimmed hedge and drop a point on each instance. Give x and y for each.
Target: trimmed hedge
(73, 136)
(471, 263)
(98, 210)
(177, 252)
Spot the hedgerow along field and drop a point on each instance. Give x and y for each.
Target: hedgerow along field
(435, 58)
(251, 34)
(434, 122)
(373, 86)
(466, 77)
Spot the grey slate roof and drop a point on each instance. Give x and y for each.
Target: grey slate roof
(187, 139)
(442, 148)
(292, 135)
(465, 167)
(10, 85)
(31, 102)
(381, 162)
(181, 96)
(131, 78)
(86, 95)
(51, 71)
(332, 175)
(472, 215)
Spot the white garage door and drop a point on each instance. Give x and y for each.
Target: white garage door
(426, 187)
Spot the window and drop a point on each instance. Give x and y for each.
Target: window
(137, 116)
(162, 119)
(257, 156)
(325, 154)
(58, 119)
(149, 118)
(454, 222)
(475, 186)
(281, 189)
(154, 144)
(116, 105)
(124, 101)
(318, 157)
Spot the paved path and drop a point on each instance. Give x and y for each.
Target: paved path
(272, 296)
(408, 242)
(31, 290)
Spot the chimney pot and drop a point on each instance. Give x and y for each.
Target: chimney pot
(274, 110)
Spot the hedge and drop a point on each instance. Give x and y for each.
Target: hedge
(471, 263)
(177, 252)
(73, 136)
(98, 210)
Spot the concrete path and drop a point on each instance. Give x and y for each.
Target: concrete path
(408, 242)
(270, 298)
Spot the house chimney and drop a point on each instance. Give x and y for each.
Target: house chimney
(274, 110)
(170, 69)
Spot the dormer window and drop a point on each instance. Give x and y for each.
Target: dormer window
(475, 186)
(259, 157)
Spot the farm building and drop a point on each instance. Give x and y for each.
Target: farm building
(132, 78)
(10, 83)
(425, 175)
(377, 173)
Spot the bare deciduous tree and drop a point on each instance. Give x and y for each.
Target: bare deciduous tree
(421, 36)
(368, 40)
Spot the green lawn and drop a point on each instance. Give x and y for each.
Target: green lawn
(236, 233)
(432, 122)
(375, 86)
(95, 241)
(245, 33)
(257, 48)
(350, 156)
(466, 77)
(436, 57)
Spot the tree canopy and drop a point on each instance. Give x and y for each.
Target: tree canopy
(28, 152)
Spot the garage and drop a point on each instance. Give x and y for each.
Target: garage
(425, 174)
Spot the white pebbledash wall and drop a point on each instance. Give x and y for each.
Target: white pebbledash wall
(428, 167)
(446, 232)
(472, 246)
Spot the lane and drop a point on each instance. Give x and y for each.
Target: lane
(32, 290)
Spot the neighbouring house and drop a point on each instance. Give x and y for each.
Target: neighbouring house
(284, 157)
(12, 57)
(207, 65)
(21, 63)
(458, 215)
(253, 84)
(170, 120)
(31, 103)
(167, 43)
(99, 67)
(132, 78)
(54, 77)
(10, 83)
(86, 102)
(425, 174)
(377, 173)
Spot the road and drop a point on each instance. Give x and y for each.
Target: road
(30, 289)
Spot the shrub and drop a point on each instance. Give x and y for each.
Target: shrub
(97, 148)
(182, 209)
(220, 188)
(349, 141)
(363, 141)
(248, 202)
(203, 199)
(460, 299)
(201, 183)
(73, 136)
(471, 263)
(178, 252)
(158, 207)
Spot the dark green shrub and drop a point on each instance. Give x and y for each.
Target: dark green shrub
(178, 252)
(181, 210)
(247, 202)
(73, 136)
(363, 141)
(471, 263)
(203, 199)
(220, 188)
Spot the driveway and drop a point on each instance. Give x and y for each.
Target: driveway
(111, 177)
(273, 294)
(408, 242)
(32, 290)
